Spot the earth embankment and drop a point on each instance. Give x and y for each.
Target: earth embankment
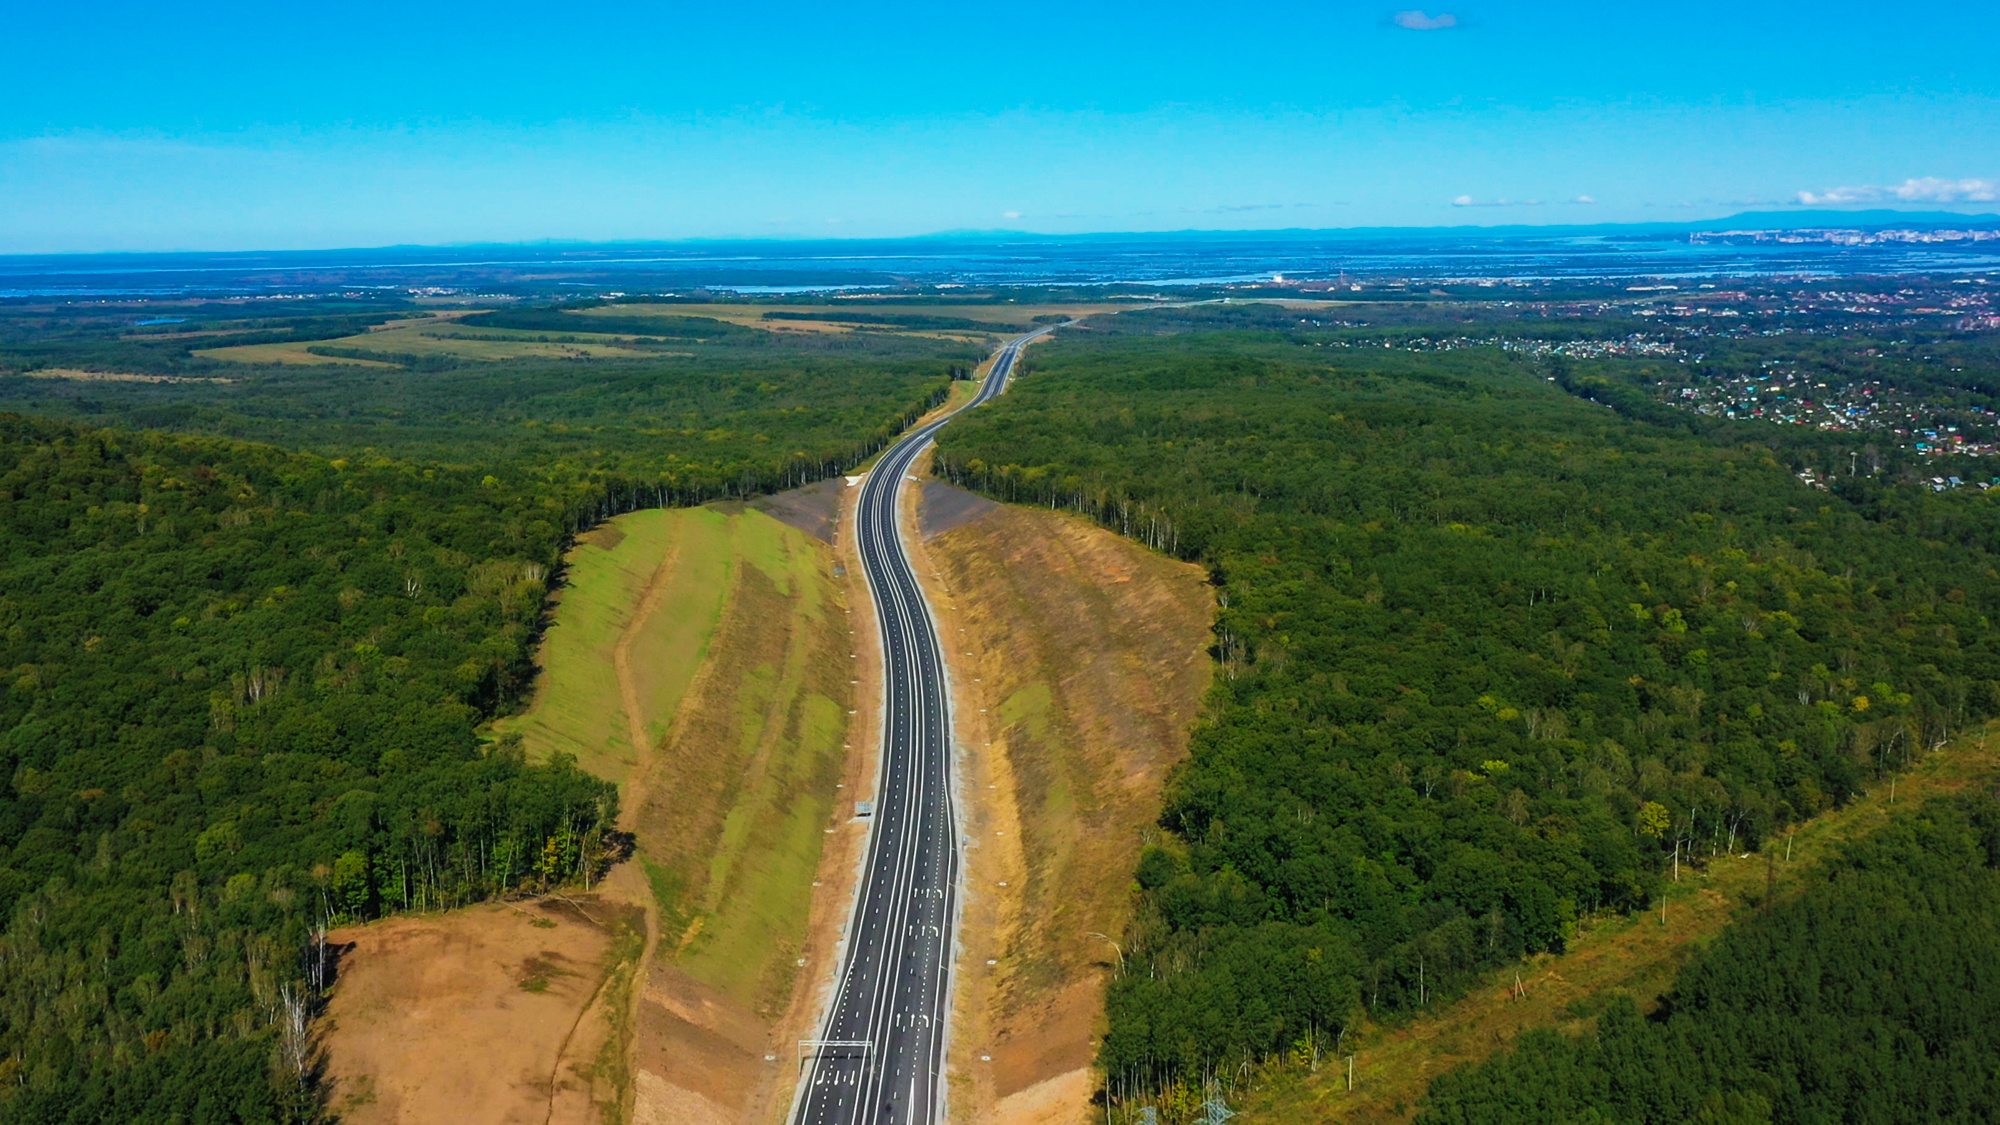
(1079, 661)
(701, 659)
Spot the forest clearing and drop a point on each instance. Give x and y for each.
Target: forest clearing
(524, 981)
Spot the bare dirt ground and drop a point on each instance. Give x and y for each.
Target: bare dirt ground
(1079, 660)
(942, 508)
(813, 509)
(483, 1014)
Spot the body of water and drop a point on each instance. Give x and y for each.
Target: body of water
(796, 267)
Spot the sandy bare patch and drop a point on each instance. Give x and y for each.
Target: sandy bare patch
(471, 1015)
(1062, 1100)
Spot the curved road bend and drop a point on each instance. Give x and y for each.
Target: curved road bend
(894, 991)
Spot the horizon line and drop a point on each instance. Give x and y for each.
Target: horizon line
(1885, 217)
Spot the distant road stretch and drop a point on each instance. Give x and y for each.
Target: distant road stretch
(882, 1046)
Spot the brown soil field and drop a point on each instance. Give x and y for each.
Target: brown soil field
(494, 1013)
(1079, 660)
(1639, 954)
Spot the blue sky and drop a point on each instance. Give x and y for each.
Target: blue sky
(235, 125)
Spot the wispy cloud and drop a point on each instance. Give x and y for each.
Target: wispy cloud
(1926, 189)
(1468, 201)
(1584, 199)
(1416, 20)
(1010, 214)
(1236, 208)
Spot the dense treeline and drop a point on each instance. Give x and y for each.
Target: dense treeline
(240, 695)
(1492, 657)
(665, 327)
(239, 687)
(727, 421)
(1870, 997)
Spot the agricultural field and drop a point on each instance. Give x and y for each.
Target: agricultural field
(284, 355)
(425, 339)
(874, 315)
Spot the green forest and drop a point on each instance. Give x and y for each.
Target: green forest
(1492, 657)
(242, 682)
(1506, 639)
(241, 690)
(728, 418)
(1869, 997)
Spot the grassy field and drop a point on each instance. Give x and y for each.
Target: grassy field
(641, 598)
(746, 777)
(752, 315)
(428, 338)
(443, 336)
(698, 658)
(1639, 955)
(282, 354)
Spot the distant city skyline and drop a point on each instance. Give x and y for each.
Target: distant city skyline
(233, 126)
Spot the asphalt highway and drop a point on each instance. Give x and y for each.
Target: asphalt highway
(880, 1053)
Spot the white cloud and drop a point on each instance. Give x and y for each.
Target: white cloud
(1468, 201)
(1584, 199)
(1930, 189)
(1010, 214)
(1839, 195)
(1416, 20)
(1926, 189)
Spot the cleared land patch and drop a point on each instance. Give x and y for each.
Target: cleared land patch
(1080, 659)
(293, 354)
(116, 376)
(482, 1014)
(1639, 954)
(813, 509)
(698, 657)
(424, 338)
(874, 315)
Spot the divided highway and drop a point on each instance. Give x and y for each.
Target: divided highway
(880, 1055)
